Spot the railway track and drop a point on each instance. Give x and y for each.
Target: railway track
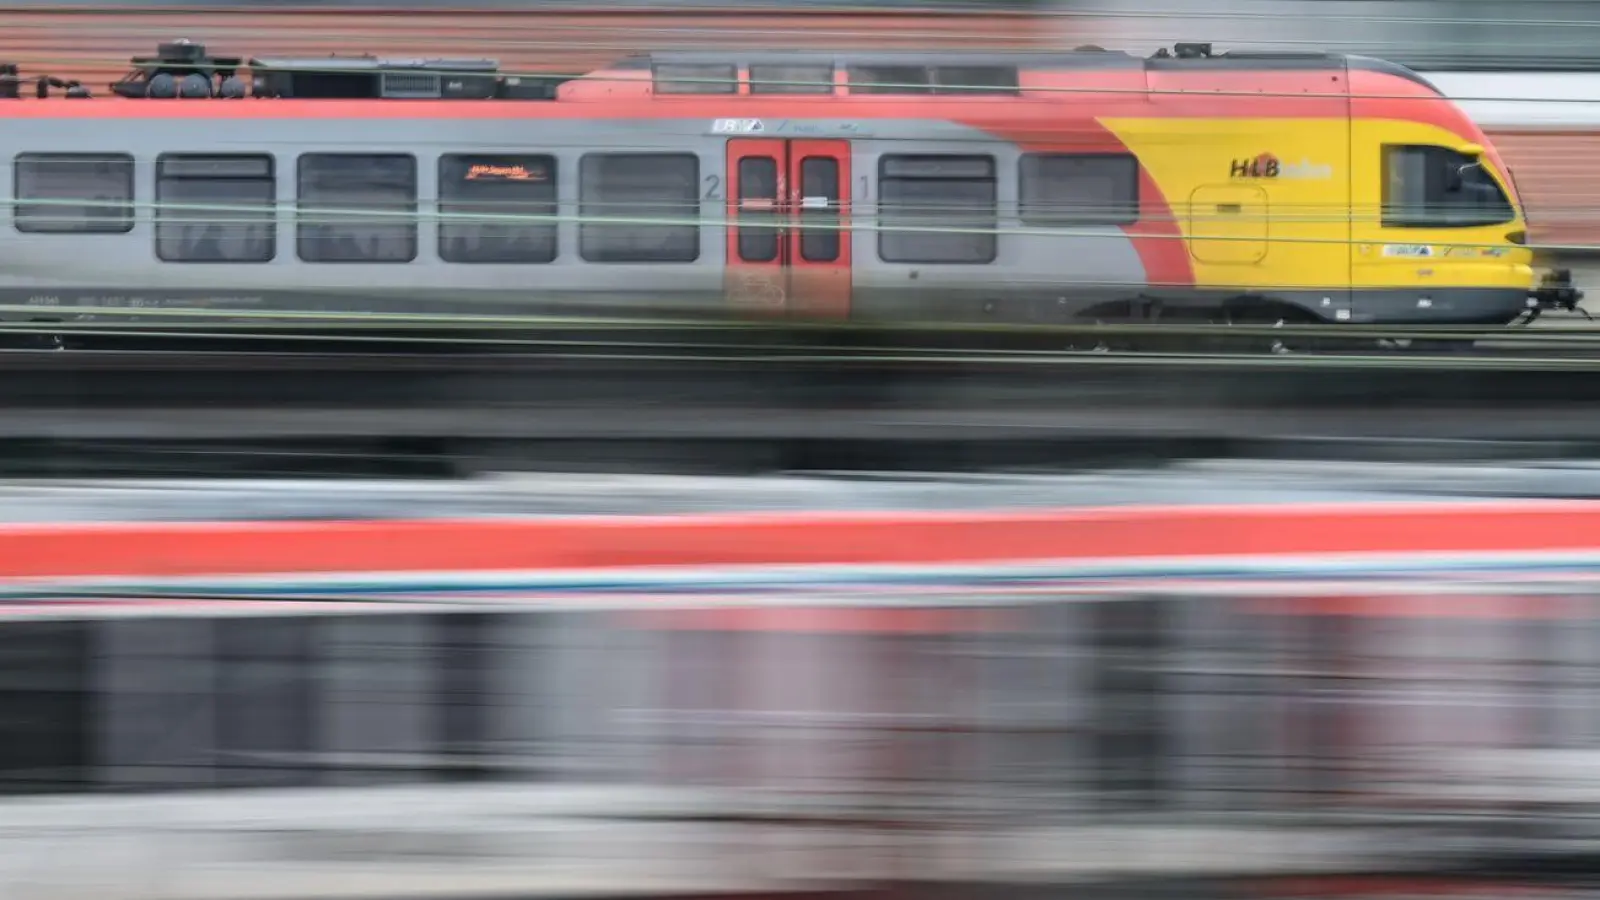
(176, 412)
(742, 386)
(407, 396)
(1554, 338)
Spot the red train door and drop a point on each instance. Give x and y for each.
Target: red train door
(788, 226)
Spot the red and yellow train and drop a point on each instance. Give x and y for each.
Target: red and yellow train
(884, 185)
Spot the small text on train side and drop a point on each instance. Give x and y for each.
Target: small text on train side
(1266, 165)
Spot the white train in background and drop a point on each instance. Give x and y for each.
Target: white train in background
(1546, 100)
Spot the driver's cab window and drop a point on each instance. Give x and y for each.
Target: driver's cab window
(1436, 187)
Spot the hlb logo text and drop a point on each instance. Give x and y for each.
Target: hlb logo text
(1268, 166)
(1264, 166)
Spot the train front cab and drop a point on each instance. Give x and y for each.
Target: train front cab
(1438, 234)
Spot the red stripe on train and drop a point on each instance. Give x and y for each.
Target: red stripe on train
(164, 549)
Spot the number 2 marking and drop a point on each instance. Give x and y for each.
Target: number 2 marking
(713, 187)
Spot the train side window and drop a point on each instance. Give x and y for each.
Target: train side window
(696, 79)
(949, 80)
(1436, 187)
(497, 209)
(787, 79)
(216, 208)
(936, 209)
(958, 80)
(819, 209)
(639, 207)
(357, 207)
(73, 193)
(1084, 189)
(758, 209)
(890, 80)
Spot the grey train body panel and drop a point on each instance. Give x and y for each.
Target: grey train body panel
(60, 271)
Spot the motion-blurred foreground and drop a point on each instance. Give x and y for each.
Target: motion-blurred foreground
(439, 702)
(1052, 739)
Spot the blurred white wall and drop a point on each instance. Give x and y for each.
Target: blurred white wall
(1442, 33)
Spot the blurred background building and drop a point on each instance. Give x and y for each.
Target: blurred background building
(1455, 35)
(1532, 35)
(1439, 34)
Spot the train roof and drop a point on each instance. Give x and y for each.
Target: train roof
(1184, 57)
(1087, 57)
(186, 69)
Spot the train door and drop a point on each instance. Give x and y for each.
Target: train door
(788, 226)
(1228, 224)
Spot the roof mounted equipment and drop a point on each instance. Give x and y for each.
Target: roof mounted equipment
(1184, 51)
(182, 68)
(11, 80)
(369, 77)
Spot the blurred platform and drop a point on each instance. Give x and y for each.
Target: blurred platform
(459, 841)
(1167, 736)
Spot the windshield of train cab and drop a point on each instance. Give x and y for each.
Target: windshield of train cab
(1438, 187)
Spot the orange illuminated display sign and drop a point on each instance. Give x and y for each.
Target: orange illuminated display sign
(504, 173)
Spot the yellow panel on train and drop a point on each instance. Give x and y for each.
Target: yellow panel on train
(1277, 190)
